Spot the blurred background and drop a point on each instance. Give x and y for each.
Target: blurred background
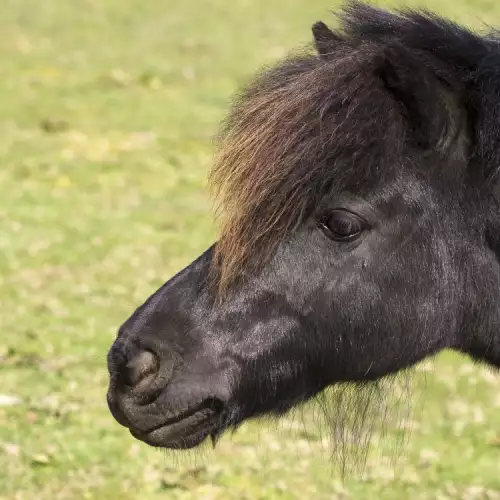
(107, 110)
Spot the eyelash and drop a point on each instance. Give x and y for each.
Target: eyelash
(327, 222)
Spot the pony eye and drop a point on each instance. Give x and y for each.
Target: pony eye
(341, 225)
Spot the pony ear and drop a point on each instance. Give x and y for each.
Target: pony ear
(419, 93)
(325, 40)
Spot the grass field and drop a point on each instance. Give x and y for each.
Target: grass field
(107, 109)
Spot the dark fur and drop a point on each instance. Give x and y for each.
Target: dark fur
(394, 119)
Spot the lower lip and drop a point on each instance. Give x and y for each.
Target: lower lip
(183, 434)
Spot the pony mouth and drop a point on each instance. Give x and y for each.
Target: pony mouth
(186, 430)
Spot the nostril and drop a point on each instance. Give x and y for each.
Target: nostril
(141, 369)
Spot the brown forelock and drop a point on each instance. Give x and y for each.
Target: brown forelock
(300, 130)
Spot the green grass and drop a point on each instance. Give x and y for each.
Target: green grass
(107, 112)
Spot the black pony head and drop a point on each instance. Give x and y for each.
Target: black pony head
(360, 233)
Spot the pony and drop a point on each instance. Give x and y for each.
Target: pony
(358, 197)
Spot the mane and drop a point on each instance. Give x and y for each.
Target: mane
(324, 122)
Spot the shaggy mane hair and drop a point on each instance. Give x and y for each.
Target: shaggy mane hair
(326, 121)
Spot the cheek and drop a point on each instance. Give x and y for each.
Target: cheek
(396, 300)
(263, 324)
(358, 297)
(267, 337)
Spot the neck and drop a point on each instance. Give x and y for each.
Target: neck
(488, 353)
(481, 339)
